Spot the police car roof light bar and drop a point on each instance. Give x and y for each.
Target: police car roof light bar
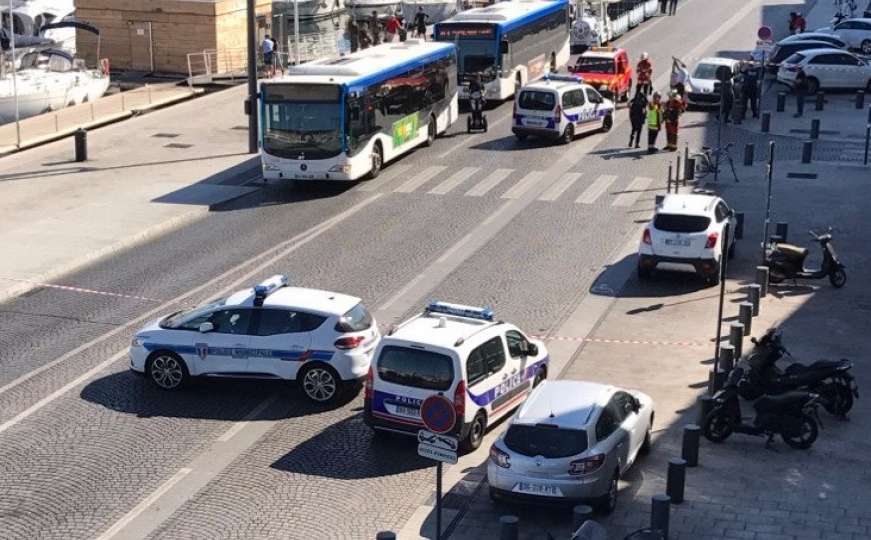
(267, 287)
(566, 78)
(460, 310)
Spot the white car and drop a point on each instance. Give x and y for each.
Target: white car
(323, 340)
(831, 39)
(826, 68)
(855, 32)
(688, 229)
(703, 85)
(571, 441)
(559, 107)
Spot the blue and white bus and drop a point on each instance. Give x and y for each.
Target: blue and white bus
(343, 118)
(508, 43)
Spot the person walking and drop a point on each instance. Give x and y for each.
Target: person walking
(267, 46)
(727, 99)
(637, 115)
(739, 110)
(800, 23)
(375, 27)
(420, 22)
(391, 28)
(750, 90)
(663, 7)
(654, 122)
(644, 69)
(672, 7)
(674, 108)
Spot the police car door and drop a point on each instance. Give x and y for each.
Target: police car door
(280, 341)
(503, 380)
(575, 105)
(224, 349)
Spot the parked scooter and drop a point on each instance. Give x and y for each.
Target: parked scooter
(793, 415)
(831, 379)
(786, 261)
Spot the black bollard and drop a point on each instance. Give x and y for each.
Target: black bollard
(748, 154)
(781, 229)
(716, 380)
(781, 101)
(745, 316)
(668, 186)
(739, 225)
(762, 280)
(706, 405)
(727, 357)
(690, 447)
(754, 293)
(690, 169)
(860, 99)
(807, 149)
(509, 528)
(821, 101)
(580, 515)
(659, 513)
(766, 122)
(799, 104)
(815, 128)
(736, 338)
(81, 143)
(657, 200)
(676, 479)
(385, 535)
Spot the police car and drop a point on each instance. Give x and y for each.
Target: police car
(323, 340)
(486, 367)
(560, 107)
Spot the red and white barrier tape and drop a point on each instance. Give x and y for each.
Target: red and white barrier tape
(82, 290)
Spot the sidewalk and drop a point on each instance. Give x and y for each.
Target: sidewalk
(144, 176)
(658, 337)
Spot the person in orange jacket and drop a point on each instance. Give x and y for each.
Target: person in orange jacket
(644, 74)
(674, 107)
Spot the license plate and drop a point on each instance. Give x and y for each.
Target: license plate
(534, 122)
(677, 242)
(402, 410)
(304, 176)
(545, 490)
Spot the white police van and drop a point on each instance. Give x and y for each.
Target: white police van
(559, 107)
(321, 339)
(485, 367)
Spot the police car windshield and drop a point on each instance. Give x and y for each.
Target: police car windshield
(416, 368)
(595, 65)
(180, 318)
(535, 100)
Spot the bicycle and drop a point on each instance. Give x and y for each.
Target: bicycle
(706, 160)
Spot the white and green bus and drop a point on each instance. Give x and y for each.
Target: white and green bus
(344, 118)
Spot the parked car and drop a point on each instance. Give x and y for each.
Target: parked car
(831, 39)
(571, 441)
(703, 87)
(783, 50)
(855, 32)
(826, 68)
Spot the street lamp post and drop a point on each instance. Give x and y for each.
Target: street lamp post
(252, 81)
(296, 30)
(14, 79)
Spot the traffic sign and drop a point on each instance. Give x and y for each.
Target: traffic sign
(764, 33)
(445, 442)
(436, 453)
(437, 413)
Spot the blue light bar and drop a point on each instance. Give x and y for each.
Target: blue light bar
(269, 286)
(459, 310)
(566, 78)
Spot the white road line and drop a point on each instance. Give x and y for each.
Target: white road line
(595, 190)
(119, 525)
(401, 292)
(419, 179)
(385, 177)
(553, 193)
(464, 142)
(454, 180)
(632, 191)
(525, 183)
(489, 183)
(240, 425)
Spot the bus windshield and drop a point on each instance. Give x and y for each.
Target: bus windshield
(302, 121)
(476, 42)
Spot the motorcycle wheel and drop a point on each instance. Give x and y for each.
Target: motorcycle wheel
(840, 400)
(807, 434)
(717, 426)
(838, 278)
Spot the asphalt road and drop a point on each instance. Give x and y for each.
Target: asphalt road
(524, 228)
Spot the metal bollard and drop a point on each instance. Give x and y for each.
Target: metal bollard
(739, 225)
(748, 154)
(736, 338)
(867, 143)
(81, 144)
(754, 293)
(690, 169)
(807, 149)
(676, 479)
(668, 185)
(509, 528)
(706, 405)
(385, 535)
(821, 100)
(716, 380)
(799, 105)
(580, 515)
(766, 122)
(745, 315)
(860, 99)
(781, 101)
(659, 513)
(815, 129)
(677, 174)
(781, 229)
(690, 448)
(727, 357)
(762, 280)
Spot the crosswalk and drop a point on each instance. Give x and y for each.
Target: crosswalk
(580, 188)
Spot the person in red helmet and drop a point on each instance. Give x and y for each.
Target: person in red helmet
(645, 74)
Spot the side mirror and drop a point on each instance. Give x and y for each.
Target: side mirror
(503, 47)
(636, 405)
(532, 349)
(206, 327)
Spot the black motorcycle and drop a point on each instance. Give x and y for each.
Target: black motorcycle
(793, 415)
(786, 261)
(831, 379)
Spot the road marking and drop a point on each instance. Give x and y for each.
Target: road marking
(119, 525)
(632, 192)
(489, 183)
(554, 192)
(419, 179)
(240, 425)
(80, 289)
(595, 190)
(384, 177)
(454, 180)
(525, 183)
(464, 141)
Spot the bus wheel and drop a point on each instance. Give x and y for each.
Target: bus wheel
(431, 131)
(377, 161)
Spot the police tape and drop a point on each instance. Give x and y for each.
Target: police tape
(80, 289)
(621, 341)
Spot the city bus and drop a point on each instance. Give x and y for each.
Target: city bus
(344, 118)
(508, 43)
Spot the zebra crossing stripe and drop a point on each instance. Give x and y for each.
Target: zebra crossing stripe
(454, 180)
(387, 176)
(419, 179)
(595, 190)
(521, 187)
(489, 183)
(557, 189)
(632, 192)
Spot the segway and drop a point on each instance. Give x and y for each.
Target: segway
(477, 120)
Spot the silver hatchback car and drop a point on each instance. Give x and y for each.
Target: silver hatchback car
(570, 442)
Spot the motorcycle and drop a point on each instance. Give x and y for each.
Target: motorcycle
(831, 379)
(786, 261)
(793, 415)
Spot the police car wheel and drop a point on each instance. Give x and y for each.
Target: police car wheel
(476, 433)
(568, 135)
(320, 383)
(167, 370)
(540, 375)
(607, 122)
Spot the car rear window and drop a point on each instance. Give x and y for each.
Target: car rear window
(536, 100)
(356, 319)
(794, 59)
(681, 223)
(416, 368)
(546, 441)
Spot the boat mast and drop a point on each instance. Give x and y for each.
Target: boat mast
(14, 78)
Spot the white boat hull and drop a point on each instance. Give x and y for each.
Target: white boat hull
(363, 8)
(41, 92)
(316, 9)
(437, 11)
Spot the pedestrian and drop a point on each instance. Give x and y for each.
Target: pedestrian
(644, 69)
(739, 110)
(420, 22)
(353, 35)
(800, 88)
(800, 23)
(674, 108)
(365, 40)
(267, 46)
(403, 29)
(727, 99)
(637, 115)
(654, 121)
(750, 90)
(792, 17)
(663, 6)
(672, 7)
(391, 28)
(375, 27)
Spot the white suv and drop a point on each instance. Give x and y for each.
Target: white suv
(825, 68)
(687, 229)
